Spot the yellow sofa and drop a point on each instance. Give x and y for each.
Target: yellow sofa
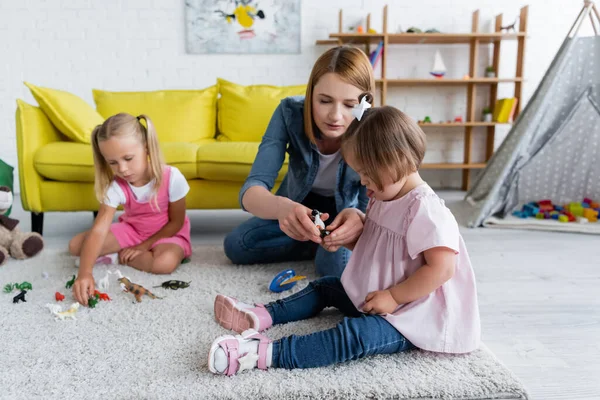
(212, 135)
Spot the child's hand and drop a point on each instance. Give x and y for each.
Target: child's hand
(129, 253)
(345, 229)
(83, 288)
(379, 302)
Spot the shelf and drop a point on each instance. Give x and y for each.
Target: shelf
(357, 38)
(450, 38)
(453, 166)
(446, 81)
(460, 124)
(331, 42)
(420, 38)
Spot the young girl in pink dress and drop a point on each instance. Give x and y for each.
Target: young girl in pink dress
(409, 282)
(153, 233)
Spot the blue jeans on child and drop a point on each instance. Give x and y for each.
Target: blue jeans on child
(261, 241)
(357, 336)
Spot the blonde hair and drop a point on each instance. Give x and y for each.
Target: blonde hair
(385, 141)
(351, 64)
(122, 125)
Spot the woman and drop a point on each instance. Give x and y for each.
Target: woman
(309, 129)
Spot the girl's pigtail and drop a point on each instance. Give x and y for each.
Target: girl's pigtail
(103, 174)
(156, 159)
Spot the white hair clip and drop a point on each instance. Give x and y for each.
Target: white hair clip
(359, 109)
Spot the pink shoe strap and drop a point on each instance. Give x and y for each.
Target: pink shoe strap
(264, 318)
(230, 346)
(263, 346)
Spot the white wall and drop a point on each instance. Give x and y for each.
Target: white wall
(77, 45)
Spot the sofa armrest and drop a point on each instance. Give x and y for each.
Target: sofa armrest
(34, 130)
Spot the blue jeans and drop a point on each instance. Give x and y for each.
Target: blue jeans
(358, 335)
(261, 241)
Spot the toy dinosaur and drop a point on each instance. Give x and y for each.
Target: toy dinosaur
(137, 290)
(174, 285)
(70, 283)
(316, 217)
(59, 314)
(20, 296)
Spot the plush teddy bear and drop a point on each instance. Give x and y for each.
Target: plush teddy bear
(13, 242)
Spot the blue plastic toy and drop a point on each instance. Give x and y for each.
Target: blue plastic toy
(284, 280)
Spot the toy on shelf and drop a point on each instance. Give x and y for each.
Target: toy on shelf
(59, 314)
(458, 119)
(70, 283)
(439, 68)
(285, 280)
(137, 290)
(59, 296)
(174, 285)
(316, 217)
(414, 29)
(510, 27)
(432, 30)
(426, 120)
(584, 212)
(487, 114)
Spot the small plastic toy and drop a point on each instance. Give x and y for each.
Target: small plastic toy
(59, 296)
(20, 297)
(458, 118)
(45, 275)
(316, 217)
(573, 212)
(59, 314)
(92, 301)
(101, 296)
(174, 285)
(70, 283)
(20, 286)
(284, 280)
(137, 290)
(103, 282)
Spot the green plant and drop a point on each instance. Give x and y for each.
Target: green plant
(486, 110)
(489, 68)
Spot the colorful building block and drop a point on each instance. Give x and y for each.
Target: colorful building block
(563, 218)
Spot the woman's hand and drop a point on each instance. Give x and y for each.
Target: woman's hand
(129, 253)
(294, 221)
(379, 302)
(345, 229)
(84, 287)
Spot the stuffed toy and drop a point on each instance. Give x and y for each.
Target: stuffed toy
(13, 242)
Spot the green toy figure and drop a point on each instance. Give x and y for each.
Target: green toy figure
(70, 283)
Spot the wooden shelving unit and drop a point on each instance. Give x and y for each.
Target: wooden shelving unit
(473, 39)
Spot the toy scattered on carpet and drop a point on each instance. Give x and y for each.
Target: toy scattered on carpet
(70, 283)
(45, 275)
(9, 287)
(20, 297)
(101, 296)
(284, 280)
(137, 290)
(103, 283)
(584, 212)
(174, 285)
(18, 245)
(316, 217)
(59, 296)
(59, 314)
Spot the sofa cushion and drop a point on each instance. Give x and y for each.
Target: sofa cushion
(245, 111)
(230, 161)
(73, 162)
(178, 115)
(72, 116)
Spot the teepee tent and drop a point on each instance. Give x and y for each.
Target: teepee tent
(553, 149)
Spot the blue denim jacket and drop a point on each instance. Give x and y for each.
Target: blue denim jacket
(286, 133)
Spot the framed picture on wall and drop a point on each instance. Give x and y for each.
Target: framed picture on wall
(242, 26)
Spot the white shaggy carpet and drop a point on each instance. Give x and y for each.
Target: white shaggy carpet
(158, 349)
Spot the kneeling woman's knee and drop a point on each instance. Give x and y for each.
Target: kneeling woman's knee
(233, 249)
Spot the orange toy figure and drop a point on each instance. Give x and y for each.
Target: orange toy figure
(101, 296)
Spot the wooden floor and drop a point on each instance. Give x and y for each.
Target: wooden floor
(538, 294)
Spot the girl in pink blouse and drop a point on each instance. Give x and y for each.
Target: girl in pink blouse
(409, 282)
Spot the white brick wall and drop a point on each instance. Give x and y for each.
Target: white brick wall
(77, 45)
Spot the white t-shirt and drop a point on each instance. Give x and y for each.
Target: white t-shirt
(178, 189)
(327, 174)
